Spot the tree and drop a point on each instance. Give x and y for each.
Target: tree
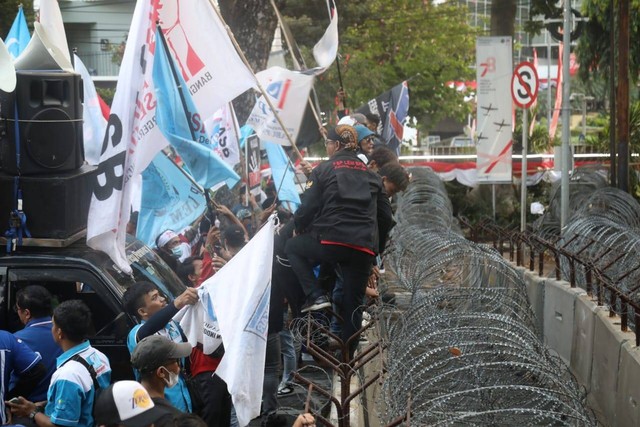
(594, 46)
(412, 39)
(503, 17)
(253, 23)
(381, 44)
(8, 11)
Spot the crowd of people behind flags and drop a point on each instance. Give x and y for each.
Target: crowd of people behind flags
(326, 254)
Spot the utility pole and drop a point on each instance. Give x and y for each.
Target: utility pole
(622, 96)
(566, 115)
(613, 174)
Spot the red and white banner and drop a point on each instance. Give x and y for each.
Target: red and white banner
(558, 105)
(214, 77)
(288, 92)
(494, 108)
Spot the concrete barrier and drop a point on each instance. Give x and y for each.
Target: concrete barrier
(604, 360)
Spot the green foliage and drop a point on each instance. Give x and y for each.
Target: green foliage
(383, 43)
(106, 93)
(601, 139)
(593, 49)
(8, 11)
(538, 141)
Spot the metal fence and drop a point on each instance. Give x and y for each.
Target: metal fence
(100, 63)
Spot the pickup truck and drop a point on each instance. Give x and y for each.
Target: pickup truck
(79, 272)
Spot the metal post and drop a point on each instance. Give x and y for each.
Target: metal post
(549, 81)
(523, 187)
(493, 200)
(584, 116)
(566, 115)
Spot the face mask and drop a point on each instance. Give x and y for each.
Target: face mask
(177, 251)
(173, 378)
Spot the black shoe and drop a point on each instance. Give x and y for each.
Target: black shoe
(317, 304)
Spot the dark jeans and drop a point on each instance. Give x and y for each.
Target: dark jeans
(216, 410)
(271, 380)
(305, 251)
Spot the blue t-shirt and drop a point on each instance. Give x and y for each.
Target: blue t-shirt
(71, 393)
(15, 356)
(37, 335)
(177, 395)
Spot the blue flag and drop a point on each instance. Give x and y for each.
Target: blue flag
(283, 175)
(18, 37)
(169, 200)
(180, 123)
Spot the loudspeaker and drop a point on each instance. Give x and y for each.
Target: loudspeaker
(56, 206)
(49, 105)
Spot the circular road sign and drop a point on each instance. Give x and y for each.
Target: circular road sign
(524, 85)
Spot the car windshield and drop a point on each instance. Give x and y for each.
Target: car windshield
(147, 266)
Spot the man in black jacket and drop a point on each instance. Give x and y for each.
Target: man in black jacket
(338, 223)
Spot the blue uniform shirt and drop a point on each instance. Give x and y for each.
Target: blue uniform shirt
(177, 395)
(37, 335)
(15, 356)
(71, 393)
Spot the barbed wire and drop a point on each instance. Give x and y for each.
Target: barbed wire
(466, 347)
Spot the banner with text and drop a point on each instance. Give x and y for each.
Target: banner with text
(132, 139)
(493, 138)
(170, 200)
(288, 92)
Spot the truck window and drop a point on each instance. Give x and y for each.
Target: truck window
(65, 284)
(147, 266)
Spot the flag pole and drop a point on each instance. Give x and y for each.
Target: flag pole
(296, 64)
(175, 78)
(174, 72)
(260, 88)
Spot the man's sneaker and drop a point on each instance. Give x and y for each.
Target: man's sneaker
(317, 304)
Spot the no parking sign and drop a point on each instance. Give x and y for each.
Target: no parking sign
(524, 85)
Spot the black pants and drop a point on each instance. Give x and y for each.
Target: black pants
(216, 410)
(305, 251)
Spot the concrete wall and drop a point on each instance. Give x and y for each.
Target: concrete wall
(604, 359)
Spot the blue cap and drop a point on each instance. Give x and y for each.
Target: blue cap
(363, 132)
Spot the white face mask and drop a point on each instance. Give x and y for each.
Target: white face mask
(173, 378)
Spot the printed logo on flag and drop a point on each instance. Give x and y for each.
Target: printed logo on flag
(259, 321)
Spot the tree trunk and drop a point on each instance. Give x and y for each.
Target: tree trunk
(253, 23)
(503, 17)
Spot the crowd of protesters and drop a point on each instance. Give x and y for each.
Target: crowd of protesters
(327, 254)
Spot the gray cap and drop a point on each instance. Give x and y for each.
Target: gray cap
(155, 350)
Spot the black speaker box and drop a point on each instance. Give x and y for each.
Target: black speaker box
(50, 123)
(56, 205)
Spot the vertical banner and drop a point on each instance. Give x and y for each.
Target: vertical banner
(494, 139)
(253, 164)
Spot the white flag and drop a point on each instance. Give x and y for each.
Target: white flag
(93, 122)
(288, 92)
(223, 135)
(326, 49)
(214, 77)
(240, 294)
(51, 20)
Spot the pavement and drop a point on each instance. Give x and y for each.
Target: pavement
(293, 404)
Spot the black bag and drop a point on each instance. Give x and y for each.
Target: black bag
(94, 377)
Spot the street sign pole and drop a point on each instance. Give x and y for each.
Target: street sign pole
(566, 116)
(523, 184)
(524, 91)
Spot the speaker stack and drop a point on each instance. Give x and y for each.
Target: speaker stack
(41, 141)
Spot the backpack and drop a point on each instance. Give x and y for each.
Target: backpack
(94, 377)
